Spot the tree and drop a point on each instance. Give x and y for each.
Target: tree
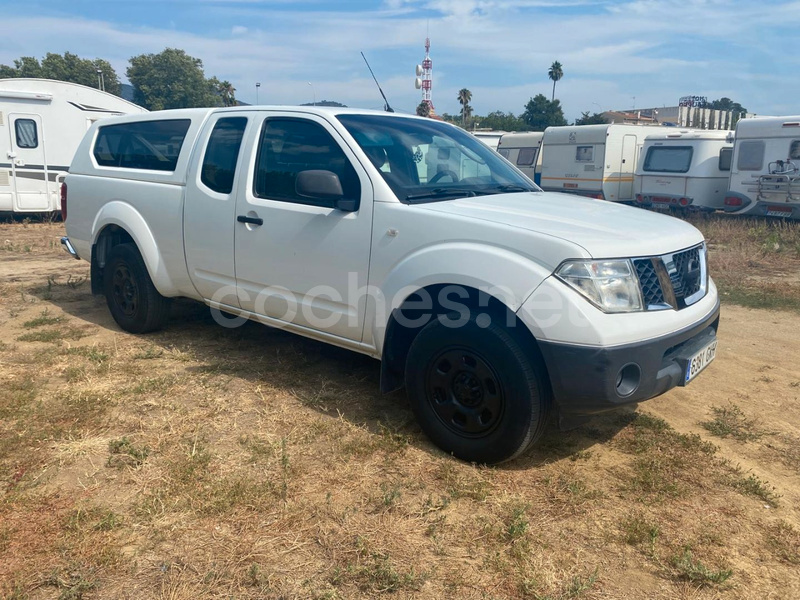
(541, 113)
(500, 121)
(593, 119)
(225, 90)
(727, 104)
(464, 96)
(555, 72)
(69, 67)
(424, 109)
(171, 79)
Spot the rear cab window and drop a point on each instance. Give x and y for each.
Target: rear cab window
(148, 145)
(668, 159)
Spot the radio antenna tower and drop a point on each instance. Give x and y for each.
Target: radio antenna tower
(425, 76)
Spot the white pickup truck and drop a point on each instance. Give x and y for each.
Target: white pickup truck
(402, 238)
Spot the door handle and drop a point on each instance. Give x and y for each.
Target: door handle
(250, 220)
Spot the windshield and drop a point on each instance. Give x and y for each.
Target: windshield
(423, 160)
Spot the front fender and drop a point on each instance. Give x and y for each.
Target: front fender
(126, 217)
(501, 273)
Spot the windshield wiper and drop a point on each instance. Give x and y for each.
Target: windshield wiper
(508, 188)
(442, 193)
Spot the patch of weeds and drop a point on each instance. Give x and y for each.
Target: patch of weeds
(152, 384)
(15, 394)
(223, 495)
(580, 455)
(149, 353)
(52, 336)
(730, 421)
(125, 454)
(43, 319)
(569, 489)
(690, 569)
(577, 586)
(752, 485)
(93, 353)
(637, 531)
(390, 494)
(192, 465)
(376, 573)
(783, 540)
(71, 583)
(516, 523)
(92, 518)
(471, 486)
(260, 451)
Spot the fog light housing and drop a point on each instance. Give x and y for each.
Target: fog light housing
(628, 379)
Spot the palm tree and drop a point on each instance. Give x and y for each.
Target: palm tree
(227, 91)
(464, 96)
(555, 73)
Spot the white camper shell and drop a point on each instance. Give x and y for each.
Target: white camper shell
(41, 124)
(525, 151)
(765, 170)
(685, 169)
(598, 161)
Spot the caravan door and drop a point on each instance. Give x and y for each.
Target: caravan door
(31, 187)
(626, 168)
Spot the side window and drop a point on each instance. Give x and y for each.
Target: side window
(504, 152)
(725, 156)
(751, 156)
(584, 153)
(222, 153)
(290, 146)
(27, 135)
(527, 156)
(152, 145)
(794, 150)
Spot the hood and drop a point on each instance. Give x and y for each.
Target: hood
(604, 229)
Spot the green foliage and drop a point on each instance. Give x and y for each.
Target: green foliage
(424, 109)
(464, 97)
(541, 113)
(555, 73)
(591, 119)
(500, 121)
(173, 79)
(69, 67)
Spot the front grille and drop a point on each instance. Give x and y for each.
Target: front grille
(672, 280)
(648, 280)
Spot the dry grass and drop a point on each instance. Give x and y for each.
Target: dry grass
(208, 463)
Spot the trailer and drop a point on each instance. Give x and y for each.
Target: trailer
(598, 161)
(490, 138)
(685, 169)
(765, 169)
(45, 121)
(525, 151)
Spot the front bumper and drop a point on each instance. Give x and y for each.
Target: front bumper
(585, 379)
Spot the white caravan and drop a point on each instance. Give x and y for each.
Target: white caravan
(44, 121)
(525, 151)
(490, 138)
(598, 161)
(765, 170)
(685, 169)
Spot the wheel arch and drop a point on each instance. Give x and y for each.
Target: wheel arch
(399, 337)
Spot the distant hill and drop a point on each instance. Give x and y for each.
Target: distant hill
(326, 103)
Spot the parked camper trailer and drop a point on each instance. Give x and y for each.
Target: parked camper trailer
(45, 121)
(490, 138)
(765, 169)
(598, 161)
(685, 169)
(525, 151)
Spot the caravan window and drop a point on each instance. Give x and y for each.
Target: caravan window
(584, 153)
(27, 136)
(725, 156)
(152, 145)
(671, 159)
(222, 152)
(526, 157)
(794, 150)
(751, 156)
(504, 152)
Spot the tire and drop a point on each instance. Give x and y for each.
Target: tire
(132, 298)
(477, 392)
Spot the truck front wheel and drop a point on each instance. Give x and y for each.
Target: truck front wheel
(132, 298)
(477, 392)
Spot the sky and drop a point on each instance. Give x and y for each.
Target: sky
(616, 54)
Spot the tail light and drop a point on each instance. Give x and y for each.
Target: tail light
(639, 198)
(63, 201)
(684, 202)
(733, 201)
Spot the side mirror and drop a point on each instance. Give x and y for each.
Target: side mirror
(323, 185)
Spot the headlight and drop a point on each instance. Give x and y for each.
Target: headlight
(611, 285)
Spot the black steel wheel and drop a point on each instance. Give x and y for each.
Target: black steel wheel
(479, 393)
(130, 294)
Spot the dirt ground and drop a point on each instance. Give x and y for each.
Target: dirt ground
(250, 463)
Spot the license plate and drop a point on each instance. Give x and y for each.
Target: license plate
(662, 199)
(571, 186)
(779, 211)
(700, 361)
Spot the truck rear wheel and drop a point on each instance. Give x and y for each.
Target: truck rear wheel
(477, 392)
(132, 298)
